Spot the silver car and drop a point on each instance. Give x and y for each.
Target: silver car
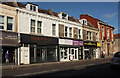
(116, 60)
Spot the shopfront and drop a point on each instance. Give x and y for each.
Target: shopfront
(38, 49)
(98, 50)
(9, 45)
(90, 50)
(70, 49)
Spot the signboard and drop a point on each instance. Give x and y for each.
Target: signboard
(90, 44)
(65, 41)
(75, 42)
(39, 40)
(9, 39)
(98, 45)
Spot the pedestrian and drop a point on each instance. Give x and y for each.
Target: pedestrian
(104, 53)
(70, 57)
(7, 57)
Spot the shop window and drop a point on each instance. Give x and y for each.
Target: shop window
(32, 26)
(70, 32)
(9, 23)
(66, 31)
(51, 54)
(39, 27)
(79, 32)
(54, 29)
(1, 22)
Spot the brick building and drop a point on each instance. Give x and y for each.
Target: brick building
(106, 33)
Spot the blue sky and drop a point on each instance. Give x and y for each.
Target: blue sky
(105, 11)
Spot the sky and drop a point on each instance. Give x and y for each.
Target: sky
(104, 11)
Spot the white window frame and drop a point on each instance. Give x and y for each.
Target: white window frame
(70, 32)
(66, 32)
(54, 29)
(96, 36)
(90, 35)
(87, 35)
(32, 26)
(2, 22)
(39, 27)
(79, 33)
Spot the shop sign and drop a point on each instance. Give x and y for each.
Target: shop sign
(94, 44)
(98, 45)
(39, 40)
(77, 42)
(65, 41)
(9, 39)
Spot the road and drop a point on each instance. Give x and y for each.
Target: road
(72, 69)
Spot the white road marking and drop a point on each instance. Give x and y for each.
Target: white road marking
(27, 74)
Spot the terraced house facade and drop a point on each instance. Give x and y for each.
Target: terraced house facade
(47, 36)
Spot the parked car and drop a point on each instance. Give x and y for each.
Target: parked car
(116, 60)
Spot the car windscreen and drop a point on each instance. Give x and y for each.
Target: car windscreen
(117, 54)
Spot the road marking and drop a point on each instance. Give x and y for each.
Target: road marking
(27, 74)
(84, 65)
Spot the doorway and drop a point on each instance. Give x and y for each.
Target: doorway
(74, 53)
(40, 55)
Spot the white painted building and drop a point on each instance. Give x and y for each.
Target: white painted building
(41, 26)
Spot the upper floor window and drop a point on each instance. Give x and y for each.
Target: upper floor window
(64, 16)
(96, 36)
(70, 32)
(87, 34)
(9, 23)
(32, 7)
(103, 31)
(1, 22)
(39, 26)
(108, 33)
(32, 25)
(90, 35)
(79, 33)
(84, 22)
(66, 31)
(53, 29)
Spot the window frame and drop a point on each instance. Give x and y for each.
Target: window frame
(87, 35)
(54, 29)
(70, 33)
(10, 22)
(39, 27)
(79, 33)
(2, 22)
(66, 32)
(32, 26)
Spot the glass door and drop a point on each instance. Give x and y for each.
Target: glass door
(40, 55)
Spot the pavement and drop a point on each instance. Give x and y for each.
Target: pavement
(47, 63)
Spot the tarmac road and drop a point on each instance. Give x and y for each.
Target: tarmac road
(99, 67)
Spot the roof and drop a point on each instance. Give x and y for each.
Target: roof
(48, 12)
(117, 35)
(73, 19)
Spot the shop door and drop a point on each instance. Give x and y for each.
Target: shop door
(40, 55)
(74, 53)
(64, 54)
